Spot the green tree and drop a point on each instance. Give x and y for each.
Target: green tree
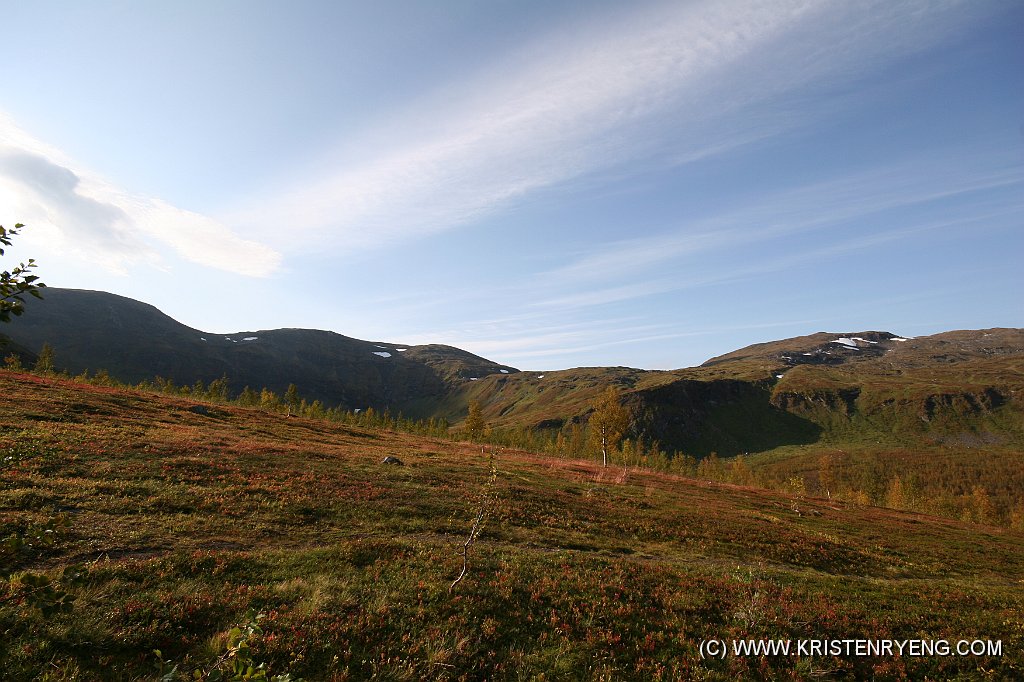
(576, 440)
(1017, 516)
(608, 421)
(218, 389)
(895, 496)
(740, 472)
(248, 397)
(44, 361)
(474, 424)
(269, 400)
(14, 284)
(315, 410)
(710, 468)
(982, 509)
(628, 450)
(291, 399)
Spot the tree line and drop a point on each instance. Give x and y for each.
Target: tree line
(606, 435)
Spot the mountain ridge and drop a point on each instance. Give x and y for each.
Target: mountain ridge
(963, 384)
(135, 341)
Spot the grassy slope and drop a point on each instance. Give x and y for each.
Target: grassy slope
(580, 574)
(950, 428)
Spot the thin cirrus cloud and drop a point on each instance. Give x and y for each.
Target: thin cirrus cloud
(707, 277)
(674, 83)
(40, 186)
(979, 189)
(569, 340)
(981, 181)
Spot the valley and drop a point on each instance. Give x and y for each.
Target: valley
(158, 493)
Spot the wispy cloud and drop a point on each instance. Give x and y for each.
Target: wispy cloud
(780, 261)
(564, 341)
(672, 81)
(40, 186)
(573, 310)
(620, 270)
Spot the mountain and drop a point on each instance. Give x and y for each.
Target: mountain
(9, 348)
(134, 341)
(962, 386)
(957, 388)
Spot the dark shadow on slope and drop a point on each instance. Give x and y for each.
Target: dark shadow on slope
(727, 417)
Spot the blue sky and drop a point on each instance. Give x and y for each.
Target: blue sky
(548, 184)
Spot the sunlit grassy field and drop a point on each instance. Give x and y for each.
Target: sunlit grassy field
(187, 520)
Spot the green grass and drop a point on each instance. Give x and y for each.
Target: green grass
(186, 521)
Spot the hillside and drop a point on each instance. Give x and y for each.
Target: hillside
(185, 520)
(956, 388)
(9, 348)
(135, 341)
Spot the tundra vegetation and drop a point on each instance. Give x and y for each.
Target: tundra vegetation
(185, 522)
(984, 487)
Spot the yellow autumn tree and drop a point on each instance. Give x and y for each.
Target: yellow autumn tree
(608, 421)
(474, 425)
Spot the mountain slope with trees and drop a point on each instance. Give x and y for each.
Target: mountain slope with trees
(958, 388)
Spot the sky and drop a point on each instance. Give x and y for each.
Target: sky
(549, 184)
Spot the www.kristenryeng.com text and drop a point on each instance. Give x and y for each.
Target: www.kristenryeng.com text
(720, 648)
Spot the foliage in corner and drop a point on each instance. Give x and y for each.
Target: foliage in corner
(16, 283)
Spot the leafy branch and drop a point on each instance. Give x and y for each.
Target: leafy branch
(17, 282)
(235, 664)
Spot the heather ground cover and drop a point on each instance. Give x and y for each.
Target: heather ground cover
(185, 521)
